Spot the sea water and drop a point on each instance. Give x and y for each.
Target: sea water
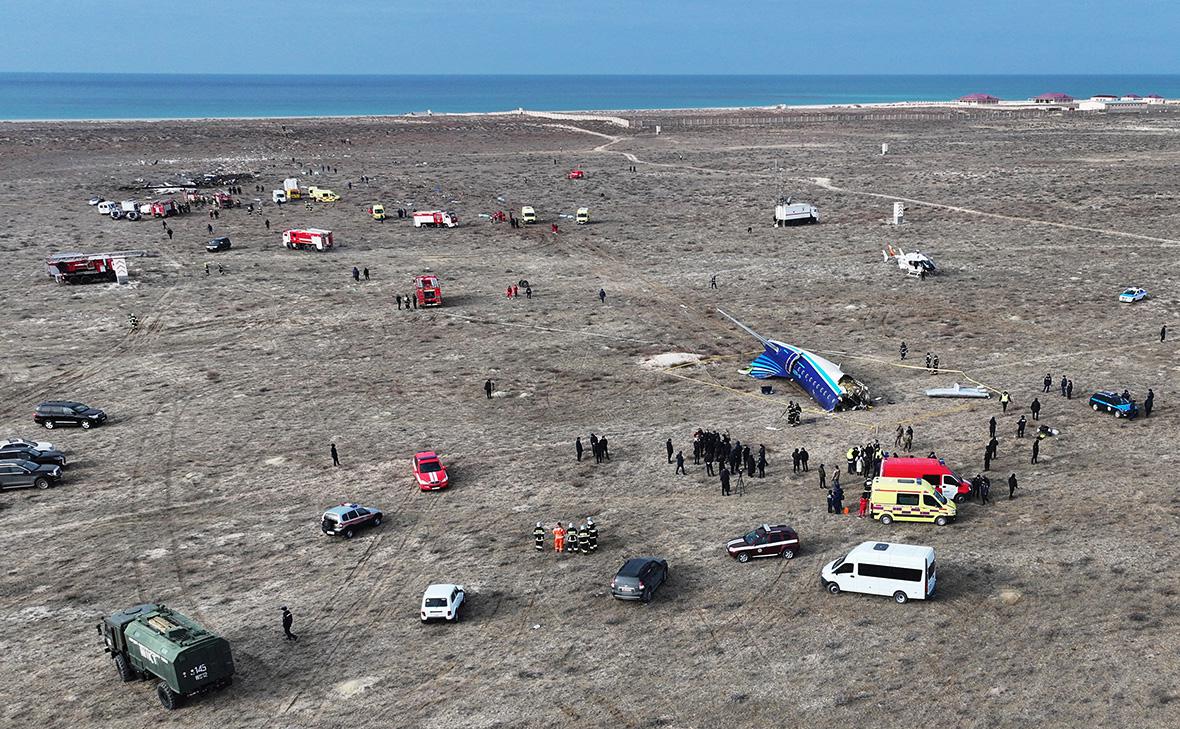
(187, 96)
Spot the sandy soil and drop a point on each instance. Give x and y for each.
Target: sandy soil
(1056, 609)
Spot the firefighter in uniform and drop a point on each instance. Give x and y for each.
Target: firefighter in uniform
(584, 539)
(571, 538)
(558, 538)
(133, 320)
(592, 533)
(539, 536)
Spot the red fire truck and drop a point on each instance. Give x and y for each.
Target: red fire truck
(89, 267)
(434, 219)
(320, 240)
(427, 290)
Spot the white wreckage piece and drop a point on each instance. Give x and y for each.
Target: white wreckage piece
(957, 390)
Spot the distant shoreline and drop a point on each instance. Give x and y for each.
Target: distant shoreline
(424, 116)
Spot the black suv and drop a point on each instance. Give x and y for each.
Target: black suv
(638, 578)
(60, 412)
(218, 244)
(23, 474)
(25, 453)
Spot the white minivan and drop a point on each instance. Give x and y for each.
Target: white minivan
(905, 571)
(278, 197)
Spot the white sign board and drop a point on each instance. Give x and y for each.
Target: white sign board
(898, 213)
(119, 265)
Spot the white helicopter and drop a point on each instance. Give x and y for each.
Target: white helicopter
(914, 264)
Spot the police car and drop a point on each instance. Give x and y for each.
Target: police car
(1131, 295)
(344, 520)
(429, 472)
(1112, 402)
(768, 540)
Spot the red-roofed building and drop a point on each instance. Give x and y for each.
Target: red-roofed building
(1053, 98)
(978, 99)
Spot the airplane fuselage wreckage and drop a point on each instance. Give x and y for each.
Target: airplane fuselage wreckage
(827, 384)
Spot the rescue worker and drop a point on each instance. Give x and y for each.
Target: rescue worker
(936, 364)
(850, 456)
(594, 448)
(928, 360)
(985, 488)
(1148, 403)
(762, 464)
(837, 500)
(991, 427)
(487, 388)
(1069, 390)
(602, 295)
(908, 444)
(584, 539)
(1036, 450)
(603, 448)
(1012, 487)
(1035, 407)
(399, 302)
(903, 351)
(571, 538)
(578, 447)
(680, 463)
(539, 537)
(795, 460)
(133, 320)
(288, 619)
(724, 474)
(987, 458)
(1048, 382)
(1004, 399)
(898, 436)
(864, 504)
(206, 268)
(592, 533)
(668, 447)
(558, 538)
(1020, 426)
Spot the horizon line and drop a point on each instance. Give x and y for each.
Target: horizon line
(584, 74)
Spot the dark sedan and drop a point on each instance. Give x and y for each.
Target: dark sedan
(25, 453)
(26, 474)
(638, 578)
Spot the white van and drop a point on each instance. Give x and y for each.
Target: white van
(278, 197)
(905, 571)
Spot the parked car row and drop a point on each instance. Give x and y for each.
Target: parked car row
(39, 464)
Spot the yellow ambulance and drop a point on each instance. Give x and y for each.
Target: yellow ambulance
(909, 499)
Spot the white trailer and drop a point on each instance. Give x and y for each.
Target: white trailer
(793, 213)
(127, 209)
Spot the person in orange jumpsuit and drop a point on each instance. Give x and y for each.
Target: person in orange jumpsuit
(864, 504)
(558, 538)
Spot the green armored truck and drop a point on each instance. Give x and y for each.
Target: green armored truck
(152, 640)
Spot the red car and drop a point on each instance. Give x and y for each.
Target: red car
(429, 471)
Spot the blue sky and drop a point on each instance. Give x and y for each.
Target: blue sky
(593, 36)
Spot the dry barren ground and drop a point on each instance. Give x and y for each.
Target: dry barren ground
(1056, 609)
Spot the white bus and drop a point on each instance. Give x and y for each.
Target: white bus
(905, 571)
